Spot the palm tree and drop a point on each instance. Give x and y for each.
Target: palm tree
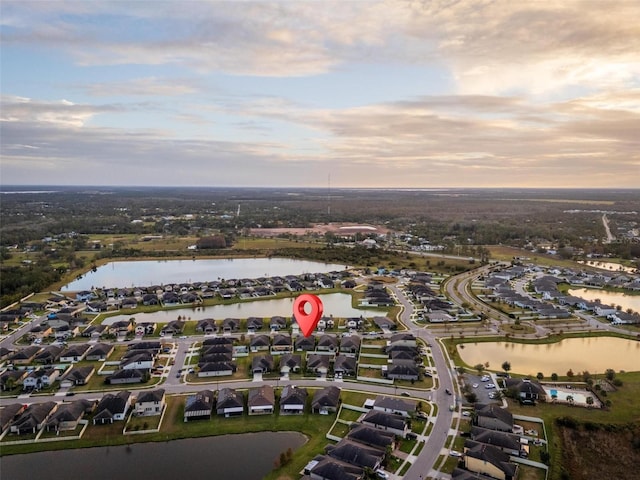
(506, 366)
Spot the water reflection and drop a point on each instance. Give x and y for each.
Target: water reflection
(594, 354)
(608, 298)
(336, 304)
(158, 272)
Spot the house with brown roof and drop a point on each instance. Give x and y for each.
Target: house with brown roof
(77, 376)
(68, 415)
(261, 400)
(24, 356)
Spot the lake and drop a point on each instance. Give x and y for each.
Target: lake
(594, 354)
(161, 272)
(608, 298)
(614, 267)
(336, 304)
(248, 456)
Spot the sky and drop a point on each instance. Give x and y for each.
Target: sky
(367, 94)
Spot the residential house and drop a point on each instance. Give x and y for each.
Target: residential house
(493, 417)
(356, 454)
(318, 364)
(121, 376)
(262, 364)
(208, 326)
(113, 407)
(305, 344)
(261, 400)
(260, 343)
(525, 390)
(95, 331)
(509, 443)
(254, 324)
(326, 400)
(41, 378)
(150, 403)
(488, 460)
(327, 343)
(41, 331)
(33, 418)
(121, 328)
(293, 400)
(100, 351)
(74, 353)
(48, 355)
(344, 365)
(150, 299)
(404, 339)
(327, 468)
(462, 474)
(281, 344)
(77, 376)
(290, 363)
(398, 406)
(10, 379)
(9, 413)
(199, 406)
(209, 342)
(24, 356)
(230, 402)
(277, 323)
(216, 369)
(174, 327)
(372, 436)
(386, 421)
(402, 370)
(230, 325)
(350, 344)
(145, 328)
(138, 360)
(384, 323)
(68, 415)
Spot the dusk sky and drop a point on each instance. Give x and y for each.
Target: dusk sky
(373, 94)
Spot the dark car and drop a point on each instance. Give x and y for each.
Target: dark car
(447, 391)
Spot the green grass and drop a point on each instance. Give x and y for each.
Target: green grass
(355, 398)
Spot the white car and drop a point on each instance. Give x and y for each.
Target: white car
(381, 473)
(453, 453)
(475, 385)
(486, 378)
(489, 386)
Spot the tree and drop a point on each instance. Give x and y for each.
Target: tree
(570, 399)
(479, 367)
(540, 376)
(506, 366)
(554, 377)
(590, 401)
(610, 374)
(570, 373)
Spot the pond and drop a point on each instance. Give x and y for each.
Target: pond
(594, 354)
(247, 456)
(161, 272)
(608, 298)
(613, 267)
(336, 304)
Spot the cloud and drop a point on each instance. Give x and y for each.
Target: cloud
(152, 86)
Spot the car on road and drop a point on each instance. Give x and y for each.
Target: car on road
(70, 394)
(381, 473)
(475, 385)
(485, 378)
(489, 386)
(455, 453)
(405, 394)
(447, 391)
(182, 337)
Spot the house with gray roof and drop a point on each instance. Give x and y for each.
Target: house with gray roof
(33, 418)
(399, 406)
(372, 436)
(356, 454)
(230, 402)
(326, 400)
(113, 407)
(150, 403)
(199, 406)
(293, 400)
(68, 415)
(488, 460)
(493, 417)
(386, 421)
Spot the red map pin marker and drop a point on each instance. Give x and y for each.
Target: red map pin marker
(307, 321)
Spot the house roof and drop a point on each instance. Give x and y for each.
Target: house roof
(461, 474)
(222, 366)
(327, 397)
(356, 454)
(262, 362)
(79, 373)
(112, 404)
(330, 469)
(496, 438)
(292, 395)
(263, 395)
(9, 412)
(328, 341)
(70, 412)
(318, 361)
(217, 341)
(524, 385)
(34, 415)
(152, 396)
(342, 362)
(303, 341)
(260, 341)
(202, 400)
(291, 360)
(352, 341)
(392, 403)
(403, 369)
(371, 436)
(281, 339)
(123, 374)
(229, 398)
(390, 420)
(490, 454)
(494, 411)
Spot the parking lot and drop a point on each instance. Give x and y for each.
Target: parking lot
(481, 392)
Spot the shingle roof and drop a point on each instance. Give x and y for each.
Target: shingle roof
(327, 397)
